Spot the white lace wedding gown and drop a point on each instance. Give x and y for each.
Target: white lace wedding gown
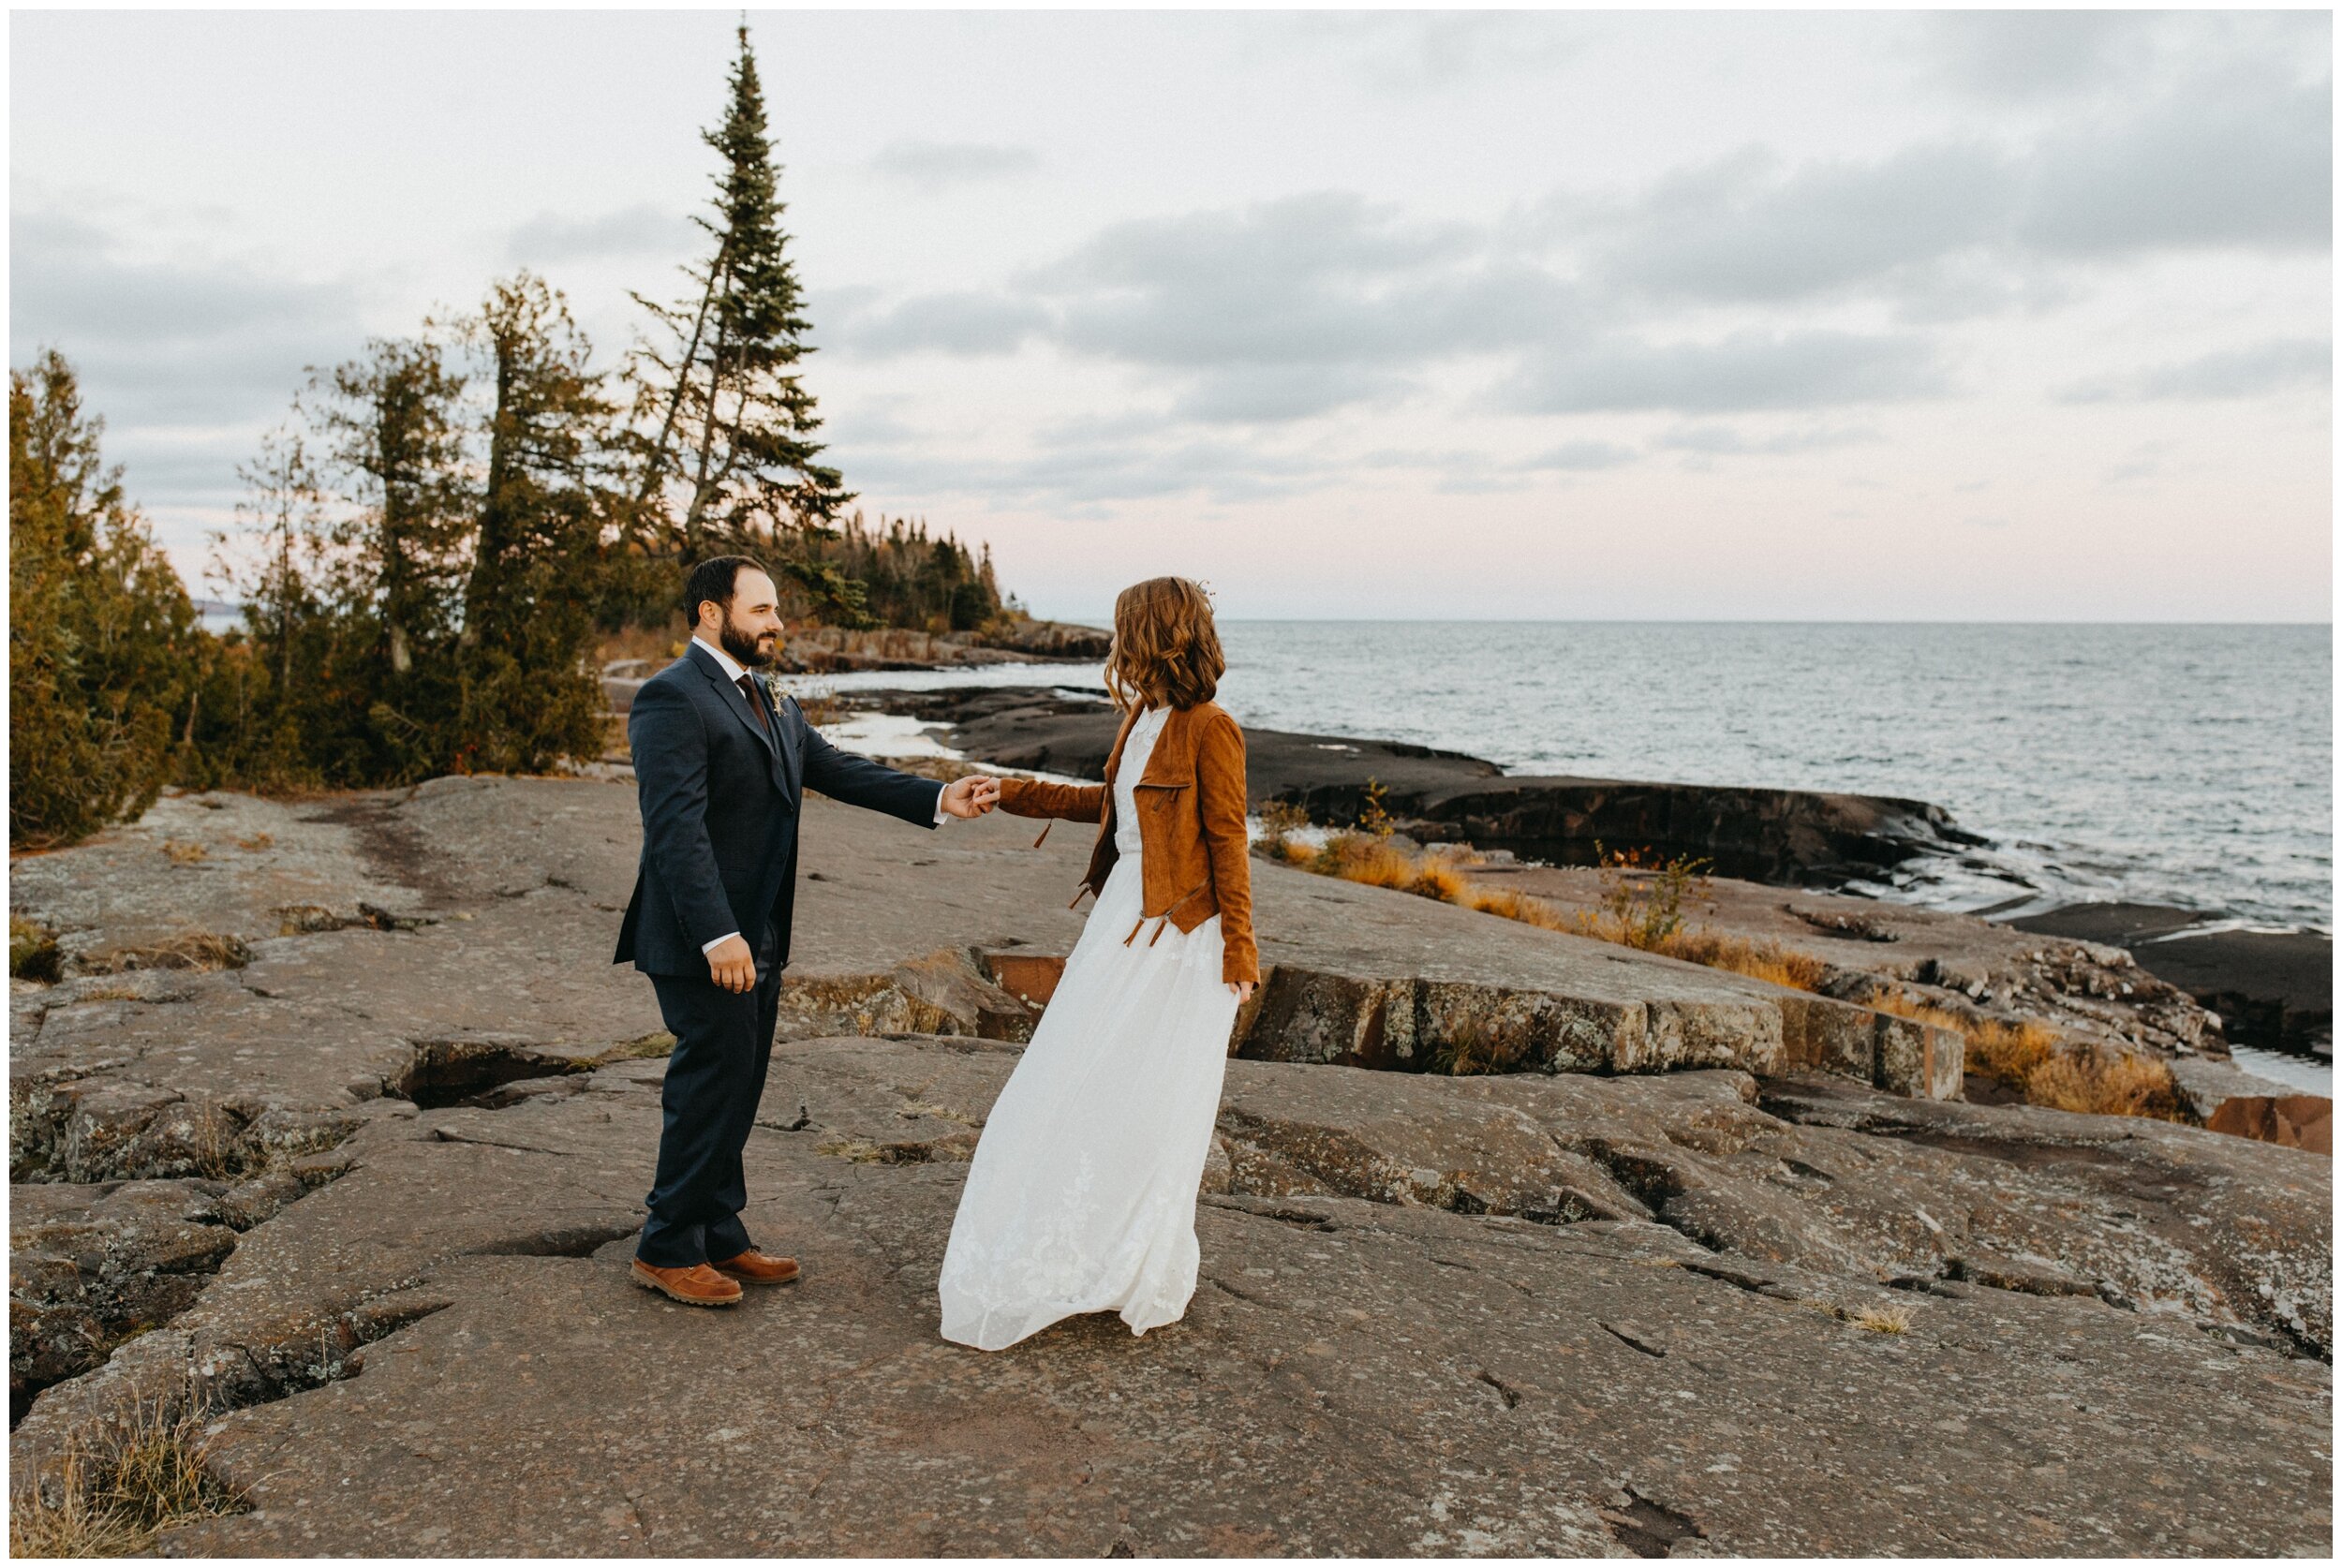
(1082, 1194)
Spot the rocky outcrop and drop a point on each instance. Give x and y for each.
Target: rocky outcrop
(1051, 638)
(1572, 1309)
(2274, 989)
(1968, 968)
(1784, 835)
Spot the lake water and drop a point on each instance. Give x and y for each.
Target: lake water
(2172, 764)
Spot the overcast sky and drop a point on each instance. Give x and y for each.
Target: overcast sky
(1823, 315)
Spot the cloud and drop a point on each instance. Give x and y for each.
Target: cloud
(631, 230)
(1075, 477)
(188, 362)
(1719, 440)
(1746, 370)
(2237, 156)
(200, 342)
(1276, 394)
(2257, 370)
(1271, 313)
(1578, 456)
(2024, 55)
(965, 322)
(2236, 159)
(1745, 228)
(1321, 279)
(940, 165)
(1414, 51)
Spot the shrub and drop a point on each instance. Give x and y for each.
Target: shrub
(1642, 903)
(104, 650)
(32, 951)
(1280, 821)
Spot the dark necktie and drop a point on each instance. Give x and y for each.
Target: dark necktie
(748, 689)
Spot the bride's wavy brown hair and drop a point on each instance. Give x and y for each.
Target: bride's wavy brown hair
(1165, 651)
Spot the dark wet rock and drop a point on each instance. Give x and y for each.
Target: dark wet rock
(1791, 835)
(2273, 989)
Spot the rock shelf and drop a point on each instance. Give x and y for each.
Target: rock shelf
(1677, 1287)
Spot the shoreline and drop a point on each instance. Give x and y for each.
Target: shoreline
(2272, 990)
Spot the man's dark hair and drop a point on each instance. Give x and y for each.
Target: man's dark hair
(714, 579)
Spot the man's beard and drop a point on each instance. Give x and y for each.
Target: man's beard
(743, 647)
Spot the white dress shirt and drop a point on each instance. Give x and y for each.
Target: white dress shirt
(733, 671)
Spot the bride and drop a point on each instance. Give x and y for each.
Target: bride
(1082, 1194)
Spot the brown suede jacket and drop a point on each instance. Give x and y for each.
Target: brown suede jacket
(1195, 854)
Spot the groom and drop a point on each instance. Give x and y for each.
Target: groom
(721, 772)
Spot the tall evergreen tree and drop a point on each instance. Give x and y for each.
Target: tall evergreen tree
(527, 699)
(393, 427)
(393, 420)
(724, 428)
(104, 650)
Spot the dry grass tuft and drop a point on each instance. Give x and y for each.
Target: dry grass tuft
(2034, 1060)
(2106, 1083)
(257, 842)
(1638, 911)
(1882, 1320)
(183, 854)
(1758, 960)
(198, 950)
(118, 1487)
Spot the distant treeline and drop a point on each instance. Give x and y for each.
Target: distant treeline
(438, 538)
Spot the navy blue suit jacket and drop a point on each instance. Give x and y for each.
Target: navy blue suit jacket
(719, 795)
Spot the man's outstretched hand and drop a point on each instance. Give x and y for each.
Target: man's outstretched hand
(971, 796)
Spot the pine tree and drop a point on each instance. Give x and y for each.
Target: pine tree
(527, 698)
(392, 422)
(724, 432)
(104, 650)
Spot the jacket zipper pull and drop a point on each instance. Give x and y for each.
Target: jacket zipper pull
(1142, 920)
(1044, 830)
(1160, 924)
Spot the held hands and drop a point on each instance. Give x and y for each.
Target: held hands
(732, 965)
(971, 796)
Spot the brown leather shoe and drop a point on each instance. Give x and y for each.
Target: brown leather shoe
(696, 1286)
(753, 1267)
